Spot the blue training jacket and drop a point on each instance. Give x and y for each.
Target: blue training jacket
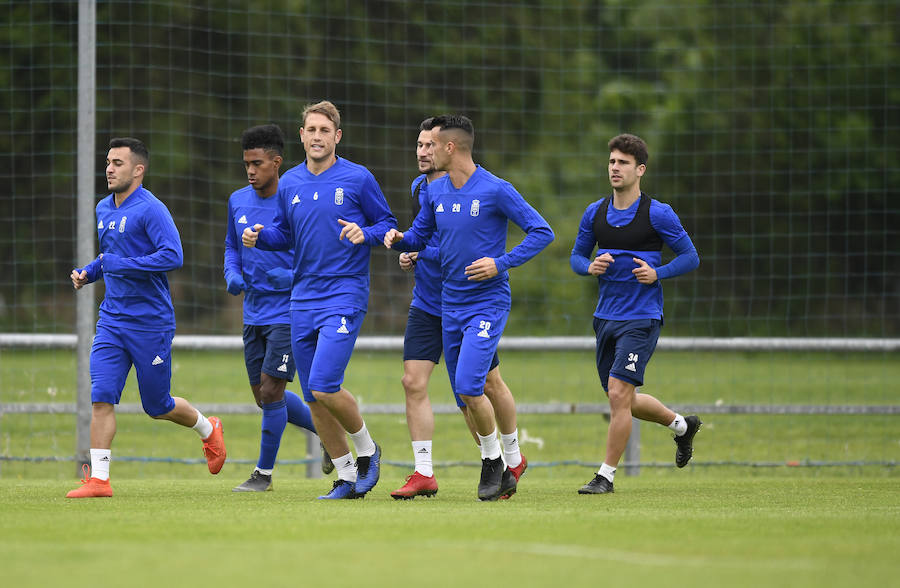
(471, 222)
(328, 273)
(620, 296)
(139, 243)
(267, 274)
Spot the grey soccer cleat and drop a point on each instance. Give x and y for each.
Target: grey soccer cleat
(258, 482)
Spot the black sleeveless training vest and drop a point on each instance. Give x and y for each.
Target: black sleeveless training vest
(638, 235)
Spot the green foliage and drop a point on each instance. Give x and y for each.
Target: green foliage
(771, 130)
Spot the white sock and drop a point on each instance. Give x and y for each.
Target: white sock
(264, 472)
(203, 427)
(679, 425)
(607, 471)
(511, 448)
(490, 445)
(422, 453)
(363, 442)
(346, 467)
(100, 459)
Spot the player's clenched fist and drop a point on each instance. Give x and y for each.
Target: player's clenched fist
(250, 235)
(391, 237)
(408, 261)
(352, 231)
(79, 279)
(600, 264)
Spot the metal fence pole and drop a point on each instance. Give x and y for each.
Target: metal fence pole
(633, 449)
(313, 450)
(86, 232)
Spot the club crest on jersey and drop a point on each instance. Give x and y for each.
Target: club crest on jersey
(243, 220)
(338, 196)
(476, 205)
(122, 224)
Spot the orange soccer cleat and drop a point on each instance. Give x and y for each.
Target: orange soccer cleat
(91, 487)
(214, 446)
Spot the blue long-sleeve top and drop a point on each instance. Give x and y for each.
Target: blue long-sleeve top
(620, 295)
(328, 272)
(471, 222)
(427, 291)
(139, 243)
(266, 301)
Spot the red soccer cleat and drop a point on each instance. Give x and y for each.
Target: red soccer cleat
(214, 447)
(517, 473)
(416, 485)
(91, 487)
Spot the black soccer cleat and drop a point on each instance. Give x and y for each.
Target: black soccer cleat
(327, 465)
(685, 442)
(599, 485)
(491, 479)
(507, 484)
(258, 482)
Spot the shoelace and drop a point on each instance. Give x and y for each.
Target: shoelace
(208, 449)
(86, 472)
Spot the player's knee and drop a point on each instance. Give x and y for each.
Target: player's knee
(620, 395)
(414, 384)
(269, 393)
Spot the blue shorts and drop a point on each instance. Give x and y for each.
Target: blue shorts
(267, 350)
(624, 348)
(116, 349)
(323, 342)
(470, 339)
(423, 339)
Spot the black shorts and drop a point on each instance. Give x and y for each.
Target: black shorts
(267, 349)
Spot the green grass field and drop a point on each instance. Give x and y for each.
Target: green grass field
(734, 528)
(171, 523)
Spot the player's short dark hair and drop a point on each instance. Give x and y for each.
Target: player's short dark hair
(454, 121)
(267, 137)
(458, 122)
(136, 146)
(427, 124)
(631, 145)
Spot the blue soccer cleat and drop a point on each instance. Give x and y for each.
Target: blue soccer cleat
(368, 470)
(341, 489)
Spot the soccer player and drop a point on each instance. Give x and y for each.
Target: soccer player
(265, 278)
(138, 245)
(422, 352)
(331, 211)
(629, 229)
(469, 209)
